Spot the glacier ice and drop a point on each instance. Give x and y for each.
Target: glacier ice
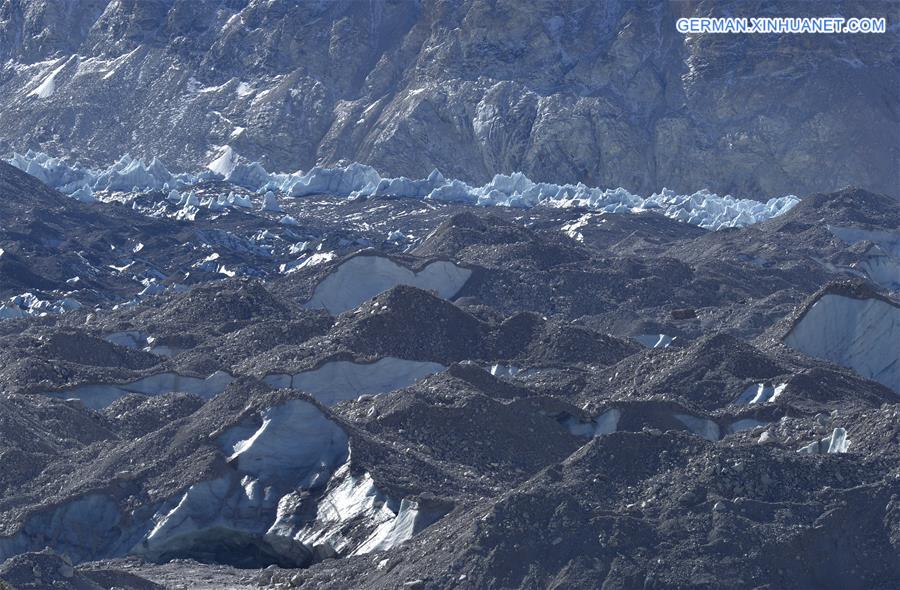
(123, 175)
(355, 178)
(354, 502)
(744, 424)
(760, 393)
(271, 453)
(127, 173)
(295, 451)
(700, 426)
(836, 443)
(79, 528)
(224, 163)
(702, 208)
(101, 395)
(655, 340)
(270, 203)
(888, 241)
(306, 262)
(338, 381)
(295, 447)
(29, 304)
(362, 277)
(881, 262)
(349, 498)
(409, 520)
(282, 461)
(862, 334)
(128, 338)
(605, 423)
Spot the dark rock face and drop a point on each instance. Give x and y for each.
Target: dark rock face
(604, 93)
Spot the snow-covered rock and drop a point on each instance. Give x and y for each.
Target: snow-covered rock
(362, 277)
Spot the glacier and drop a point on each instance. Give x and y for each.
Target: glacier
(702, 208)
(363, 276)
(338, 381)
(286, 494)
(861, 334)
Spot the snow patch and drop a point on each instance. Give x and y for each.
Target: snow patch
(47, 87)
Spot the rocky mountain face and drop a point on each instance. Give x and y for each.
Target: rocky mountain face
(606, 93)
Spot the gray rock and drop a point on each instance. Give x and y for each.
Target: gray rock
(609, 94)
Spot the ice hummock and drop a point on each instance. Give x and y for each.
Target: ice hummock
(702, 208)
